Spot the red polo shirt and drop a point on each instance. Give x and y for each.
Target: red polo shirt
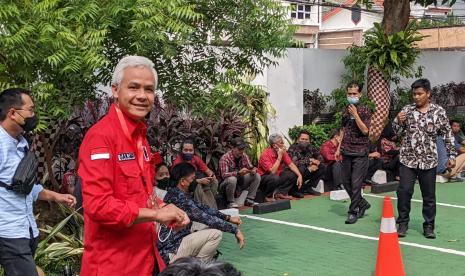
(113, 192)
(267, 160)
(196, 161)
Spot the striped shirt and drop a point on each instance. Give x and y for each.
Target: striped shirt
(16, 214)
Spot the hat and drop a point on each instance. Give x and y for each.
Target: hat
(238, 143)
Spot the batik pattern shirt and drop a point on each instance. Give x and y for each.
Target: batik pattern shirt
(302, 156)
(419, 134)
(196, 212)
(354, 140)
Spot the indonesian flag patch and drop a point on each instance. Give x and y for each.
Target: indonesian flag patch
(100, 153)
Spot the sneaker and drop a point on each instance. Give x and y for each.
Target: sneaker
(250, 202)
(402, 230)
(428, 232)
(351, 218)
(233, 205)
(362, 210)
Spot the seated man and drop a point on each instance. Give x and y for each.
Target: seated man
(202, 244)
(206, 185)
(333, 165)
(276, 181)
(307, 158)
(238, 174)
(375, 162)
(458, 135)
(384, 156)
(452, 174)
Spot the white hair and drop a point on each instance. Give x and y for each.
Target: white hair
(132, 61)
(273, 138)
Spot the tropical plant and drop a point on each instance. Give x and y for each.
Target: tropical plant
(64, 243)
(393, 55)
(400, 97)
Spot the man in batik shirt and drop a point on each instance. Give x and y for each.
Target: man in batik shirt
(419, 125)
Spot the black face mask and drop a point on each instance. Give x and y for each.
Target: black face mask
(30, 123)
(163, 183)
(303, 145)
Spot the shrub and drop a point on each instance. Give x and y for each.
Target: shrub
(449, 94)
(319, 133)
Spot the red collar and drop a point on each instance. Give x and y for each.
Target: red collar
(132, 124)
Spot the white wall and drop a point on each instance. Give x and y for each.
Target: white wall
(283, 83)
(322, 68)
(343, 21)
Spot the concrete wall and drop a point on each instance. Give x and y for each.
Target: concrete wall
(443, 38)
(322, 68)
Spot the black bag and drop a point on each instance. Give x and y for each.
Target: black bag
(25, 175)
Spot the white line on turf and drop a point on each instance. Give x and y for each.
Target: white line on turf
(417, 200)
(349, 234)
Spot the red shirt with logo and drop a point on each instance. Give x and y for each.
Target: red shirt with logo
(113, 191)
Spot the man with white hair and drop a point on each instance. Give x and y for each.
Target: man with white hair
(278, 173)
(117, 175)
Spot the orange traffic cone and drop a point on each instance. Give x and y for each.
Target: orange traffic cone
(389, 261)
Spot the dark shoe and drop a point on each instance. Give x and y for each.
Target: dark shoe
(428, 232)
(250, 202)
(311, 192)
(362, 210)
(297, 195)
(351, 218)
(402, 230)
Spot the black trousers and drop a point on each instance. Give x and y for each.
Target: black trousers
(310, 179)
(282, 184)
(392, 168)
(427, 180)
(354, 170)
(334, 175)
(373, 165)
(17, 256)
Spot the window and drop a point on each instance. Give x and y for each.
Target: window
(300, 11)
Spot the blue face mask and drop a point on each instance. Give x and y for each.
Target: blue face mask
(353, 100)
(187, 156)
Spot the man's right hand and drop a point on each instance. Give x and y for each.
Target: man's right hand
(240, 239)
(173, 216)
(401, 117)
(244, 171)
(203, 181)
(281, 152)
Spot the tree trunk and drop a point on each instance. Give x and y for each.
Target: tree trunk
(378, 91)
(396, 15)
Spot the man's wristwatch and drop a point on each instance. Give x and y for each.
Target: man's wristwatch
(228, 217)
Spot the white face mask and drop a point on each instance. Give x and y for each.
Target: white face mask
(353, 100)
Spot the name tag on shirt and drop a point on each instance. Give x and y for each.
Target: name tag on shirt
(125, 156)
